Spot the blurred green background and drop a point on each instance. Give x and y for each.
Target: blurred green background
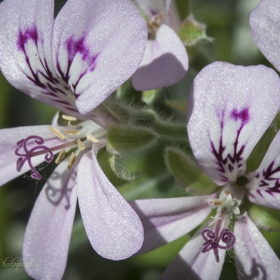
(227, 23)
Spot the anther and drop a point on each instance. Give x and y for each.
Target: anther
(57, 133)
(60, 156)
(71, 160)
(92, 138)
(72, 132)
(81, 146)
(218, 203)
(69, 118)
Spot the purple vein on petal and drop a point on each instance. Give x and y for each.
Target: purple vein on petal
(31, 35)
(227, 162)
(268, 179)
(75, 47)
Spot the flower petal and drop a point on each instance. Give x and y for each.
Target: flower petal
(113, 228)
(264, 189)
(165, 61)
(8, 144)
(229, 109)
(97, 46)
(165, 220)
(26, 52)
(254, 258)
(191, 263)
(167, 9)
(48, 232)
(265, 26)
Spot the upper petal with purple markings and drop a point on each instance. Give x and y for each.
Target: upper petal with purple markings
(229, 109)
(76, 61)
(265, 188)
(265, 28)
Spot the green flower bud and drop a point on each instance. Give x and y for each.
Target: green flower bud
(191, 31)
(129, 138)
(187, 173)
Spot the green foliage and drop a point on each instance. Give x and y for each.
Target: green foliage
(264, 217)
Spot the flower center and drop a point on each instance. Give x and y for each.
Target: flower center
(153, 25)
(77, 136)
(227, 207)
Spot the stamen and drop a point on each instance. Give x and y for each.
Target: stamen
(92, 138)
(60, 156)
(57, 133)
(72, 132)
(81, 146)
(69, 118)
(218, 203)
(28, 154)
(71, 160)
(212, 241)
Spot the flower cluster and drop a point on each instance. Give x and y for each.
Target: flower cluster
(96, 63)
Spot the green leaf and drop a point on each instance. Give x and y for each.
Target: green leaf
(188, 174)
(264, 217)
(129, 138)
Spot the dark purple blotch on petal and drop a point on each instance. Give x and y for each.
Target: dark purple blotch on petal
(23, 37)
(242, 115)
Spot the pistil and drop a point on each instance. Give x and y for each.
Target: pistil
(212, 240)
(28, 154)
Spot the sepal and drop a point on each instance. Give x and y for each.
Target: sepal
(129, 138)
(188, 174)
(191, 31)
